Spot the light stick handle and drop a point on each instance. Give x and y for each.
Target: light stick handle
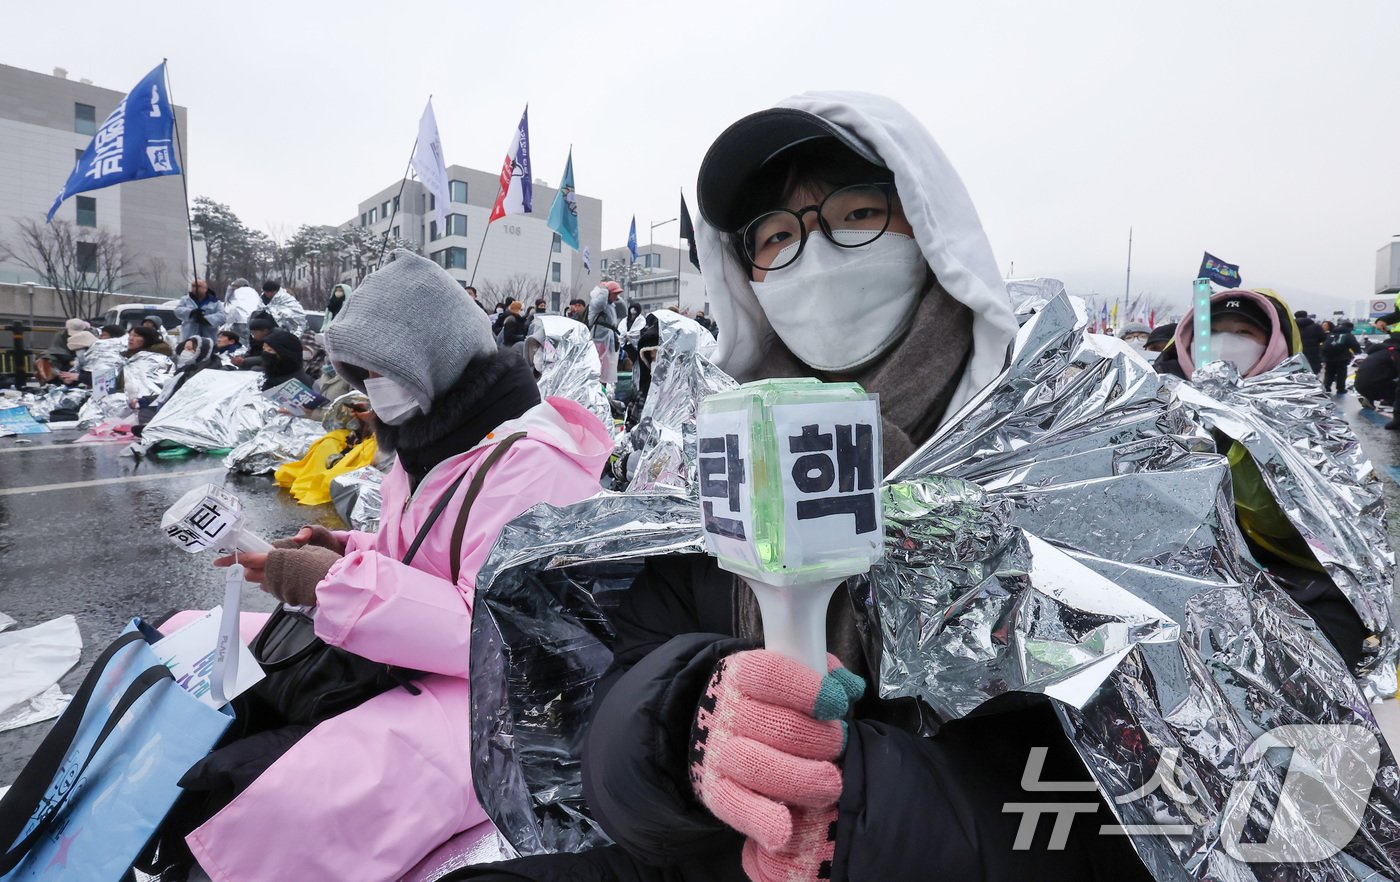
(794, 620)
(252, 543)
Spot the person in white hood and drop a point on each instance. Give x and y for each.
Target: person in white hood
(836, 242)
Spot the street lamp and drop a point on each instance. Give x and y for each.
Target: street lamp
(30, 286)
(652, 242)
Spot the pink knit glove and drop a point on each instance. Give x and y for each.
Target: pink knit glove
(763, 755)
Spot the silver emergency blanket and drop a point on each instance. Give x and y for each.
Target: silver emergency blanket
(285, 438)
(102, 357)
(42, 404)
(1070, 532)
(660, 450)
(213, 410)
(144, 375)
(561, 351)
(1315, 468)
(287, 312)
(356, 496)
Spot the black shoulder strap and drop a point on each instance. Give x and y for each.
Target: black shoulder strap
(473, 491)
(24, 799)
(432, 518)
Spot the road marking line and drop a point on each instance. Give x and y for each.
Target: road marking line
(73, 485)
(63, 445)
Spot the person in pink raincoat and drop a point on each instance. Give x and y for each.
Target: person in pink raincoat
(365, 795)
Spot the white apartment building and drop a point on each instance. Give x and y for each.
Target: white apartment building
(46, 122)
(665, 278)
(520, 255)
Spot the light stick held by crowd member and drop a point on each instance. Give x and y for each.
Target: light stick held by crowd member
(789, 478)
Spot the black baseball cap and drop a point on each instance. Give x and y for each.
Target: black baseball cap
(1163, 333)
(1241, 307)
(744, 148)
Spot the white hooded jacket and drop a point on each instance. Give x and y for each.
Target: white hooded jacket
(945, 225)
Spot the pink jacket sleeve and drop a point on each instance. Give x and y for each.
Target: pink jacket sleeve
(373, 605)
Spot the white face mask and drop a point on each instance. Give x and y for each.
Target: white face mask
(391, 402)
(838, 309)
(185, 359)
(1244, 352)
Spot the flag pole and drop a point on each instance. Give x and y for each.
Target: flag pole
(544, 289)
(184, 178)
(678, 254)
(394, 212)
(479, 248)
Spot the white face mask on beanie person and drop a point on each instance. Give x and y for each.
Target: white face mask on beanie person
(390, 401)
(838, 309)
(1239, 349)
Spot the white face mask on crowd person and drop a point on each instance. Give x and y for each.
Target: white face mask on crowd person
(1241, 350)
(839, 309)
(391, 402)
(185, 359)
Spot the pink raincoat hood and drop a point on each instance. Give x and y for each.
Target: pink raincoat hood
(1283, 336)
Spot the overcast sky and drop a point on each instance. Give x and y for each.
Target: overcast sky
(1264, 132)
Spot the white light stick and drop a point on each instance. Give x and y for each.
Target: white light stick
(789, 475)
(210, 517)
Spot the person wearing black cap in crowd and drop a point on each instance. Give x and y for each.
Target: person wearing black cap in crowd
(1338, 348)
(1254, 330)
(260, 325)
(1160, 337)
(837, 243)
(1312, 336)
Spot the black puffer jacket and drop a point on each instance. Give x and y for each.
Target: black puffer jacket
(1312, 335)
(912, 807)
(287, 364)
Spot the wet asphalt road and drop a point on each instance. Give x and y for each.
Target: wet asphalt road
(94, 549)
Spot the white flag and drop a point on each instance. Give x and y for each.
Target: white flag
(587, 261)
(431, 166)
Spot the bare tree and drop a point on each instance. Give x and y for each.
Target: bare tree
(524, 287)
(155, 272)
(83, 265)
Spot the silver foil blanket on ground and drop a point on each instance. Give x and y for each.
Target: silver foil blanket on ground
(212, 411)
(561, 351)
(53, 398)
(1070, 532)
(283, 439)
(356, 497)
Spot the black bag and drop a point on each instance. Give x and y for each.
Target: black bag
(308, 680)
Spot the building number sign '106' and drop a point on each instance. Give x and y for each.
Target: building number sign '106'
(789, 474)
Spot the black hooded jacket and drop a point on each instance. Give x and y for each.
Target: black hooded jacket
(911, 807)
(286, 365)
(1312, 336)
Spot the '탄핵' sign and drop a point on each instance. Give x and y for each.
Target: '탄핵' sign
(789, 474)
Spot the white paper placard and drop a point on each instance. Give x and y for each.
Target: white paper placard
(190, 654)
(725, 478)
(829, 466)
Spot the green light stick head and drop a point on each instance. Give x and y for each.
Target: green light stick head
(1200, 304)
(789, 474)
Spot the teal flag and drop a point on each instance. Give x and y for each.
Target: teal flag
(563, 214)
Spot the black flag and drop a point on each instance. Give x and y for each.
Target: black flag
(688, 232)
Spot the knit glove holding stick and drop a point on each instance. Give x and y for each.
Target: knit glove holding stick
(294, 567)
(765, 745)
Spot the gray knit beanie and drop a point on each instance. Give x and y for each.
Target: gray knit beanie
(411, 322)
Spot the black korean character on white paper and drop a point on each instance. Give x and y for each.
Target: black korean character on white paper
(206, 514)
(721, 477)
(184, 535)
(851, 469)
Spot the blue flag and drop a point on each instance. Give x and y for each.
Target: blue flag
(632, 239)
(563, 214)
(1219, 272)
(134, 142)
